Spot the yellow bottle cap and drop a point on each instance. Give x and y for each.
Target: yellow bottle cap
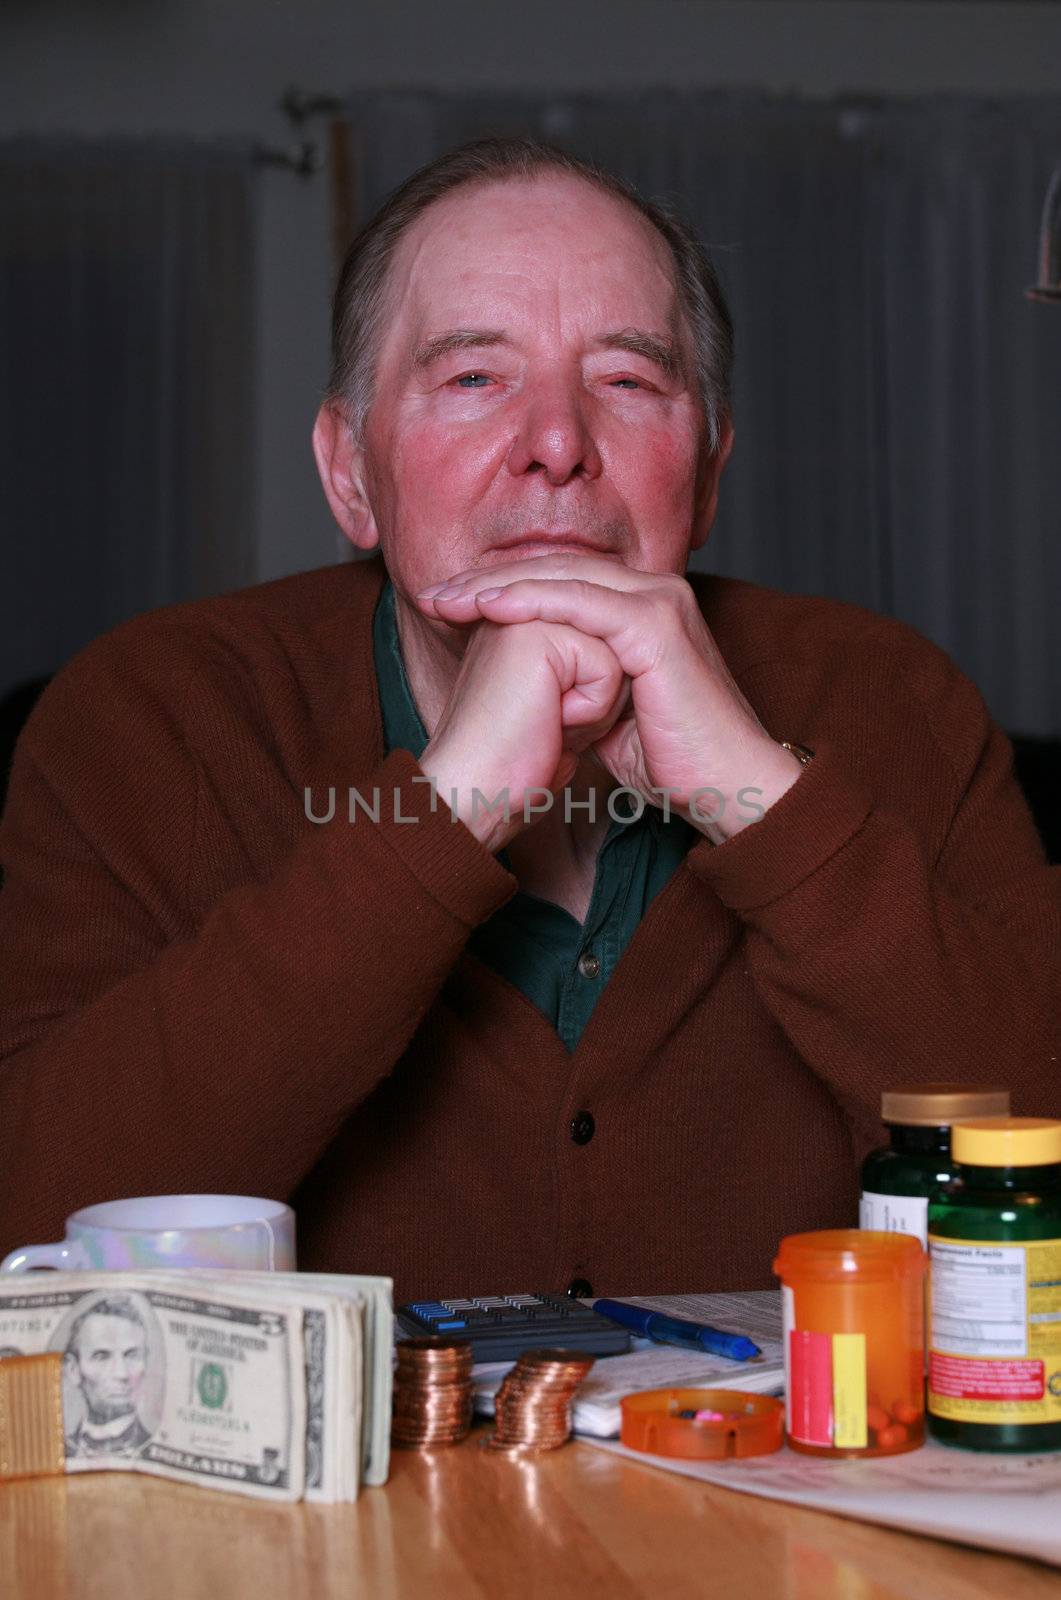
(1006, 1142)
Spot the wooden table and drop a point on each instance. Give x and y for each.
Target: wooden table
(465, 1523)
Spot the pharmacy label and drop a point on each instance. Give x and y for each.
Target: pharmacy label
(894, 1213)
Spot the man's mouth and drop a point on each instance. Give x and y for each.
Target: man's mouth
(543, 544)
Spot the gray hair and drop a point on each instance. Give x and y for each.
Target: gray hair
(360, 296)
(113, 1305)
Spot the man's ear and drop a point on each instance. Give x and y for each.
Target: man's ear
(341, 465)
(706, 504)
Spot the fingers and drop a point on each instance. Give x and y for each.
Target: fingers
(597, 567)
(632, 623)
(594, 688)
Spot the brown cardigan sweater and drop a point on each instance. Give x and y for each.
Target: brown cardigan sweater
(203, 990)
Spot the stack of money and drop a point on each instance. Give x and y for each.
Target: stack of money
(533, 1407)
(275, 1384)
(432, 1393)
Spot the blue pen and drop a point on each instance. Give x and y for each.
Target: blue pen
(674, 1330)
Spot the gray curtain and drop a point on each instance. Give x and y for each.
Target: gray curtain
(127, 310)
(897, 400)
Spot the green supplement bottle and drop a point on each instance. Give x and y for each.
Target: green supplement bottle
(994, 1239)
(899, 1180)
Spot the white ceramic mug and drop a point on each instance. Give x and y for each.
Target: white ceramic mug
(169, 1230)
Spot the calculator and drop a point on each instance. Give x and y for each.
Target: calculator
(499, 1327)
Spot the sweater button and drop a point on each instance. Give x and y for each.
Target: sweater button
(583, 1128)
(589, 964)
(580, 1289)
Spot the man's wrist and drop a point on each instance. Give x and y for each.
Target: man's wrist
(730, 808)
(467, 803)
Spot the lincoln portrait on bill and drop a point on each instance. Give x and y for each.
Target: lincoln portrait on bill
(106, 1359)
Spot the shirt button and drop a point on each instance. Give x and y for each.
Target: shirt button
(580, 1289)
(589, 964)
(583, 1128)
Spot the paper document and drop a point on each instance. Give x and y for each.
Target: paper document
(659, 1366)
(1010, 1503)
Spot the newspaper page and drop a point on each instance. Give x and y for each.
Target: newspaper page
(659, 1366)
(1006, 1503)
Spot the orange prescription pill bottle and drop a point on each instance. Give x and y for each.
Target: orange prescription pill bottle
(854, 1336)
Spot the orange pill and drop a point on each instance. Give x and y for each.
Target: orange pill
(892, 1437)
(905, 1411)
(877, 1418)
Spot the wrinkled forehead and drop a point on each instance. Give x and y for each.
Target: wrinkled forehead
(105, 1331)
(552, 248)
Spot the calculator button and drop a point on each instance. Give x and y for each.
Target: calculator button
(580, 1289)
(456, 1322)
(583, 1127)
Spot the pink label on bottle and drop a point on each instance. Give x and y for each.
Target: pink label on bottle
(810, 1387)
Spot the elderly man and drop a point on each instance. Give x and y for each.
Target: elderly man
(527, 914)
(106, 1358)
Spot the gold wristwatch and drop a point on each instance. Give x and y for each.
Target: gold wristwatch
(800, 751)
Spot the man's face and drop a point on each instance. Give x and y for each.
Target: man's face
(548, 427)
(109, 1359)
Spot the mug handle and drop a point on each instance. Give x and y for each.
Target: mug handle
(67, 1254)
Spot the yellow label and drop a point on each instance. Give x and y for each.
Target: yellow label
(849, 1391)
(995, 1330)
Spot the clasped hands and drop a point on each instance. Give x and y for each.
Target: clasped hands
(639, 681)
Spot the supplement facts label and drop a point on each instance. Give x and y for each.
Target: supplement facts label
(894, 1213)
(978, 1299)
(995, 1320)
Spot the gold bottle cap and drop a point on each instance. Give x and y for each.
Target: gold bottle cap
(937, 1105)
(31, 1416)
(1007, 1142)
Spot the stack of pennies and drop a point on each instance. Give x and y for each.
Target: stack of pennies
(532, 1410)
(432, 1393)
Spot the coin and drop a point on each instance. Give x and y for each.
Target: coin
(532, 1409)
(432, 1393)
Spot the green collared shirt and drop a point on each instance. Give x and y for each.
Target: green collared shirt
(560, 964)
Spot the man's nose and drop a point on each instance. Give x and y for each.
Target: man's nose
(555, 434)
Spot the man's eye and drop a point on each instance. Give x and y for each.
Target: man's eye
(471, 378)
(633, 381)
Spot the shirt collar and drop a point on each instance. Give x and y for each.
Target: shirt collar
(403, 728)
